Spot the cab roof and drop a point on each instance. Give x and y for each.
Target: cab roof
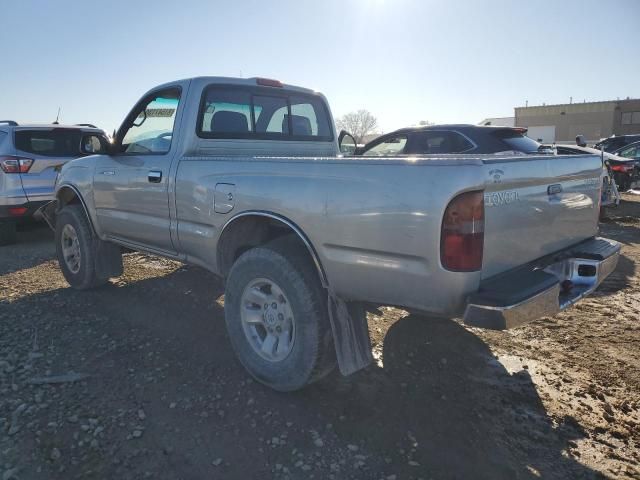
(251, 82)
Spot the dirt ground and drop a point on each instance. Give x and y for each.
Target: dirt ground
(159, 394)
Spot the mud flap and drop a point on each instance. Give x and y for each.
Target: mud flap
(350, 335)
(48, 213)
(108, 259)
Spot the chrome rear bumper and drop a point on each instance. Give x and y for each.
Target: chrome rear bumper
(542, 289)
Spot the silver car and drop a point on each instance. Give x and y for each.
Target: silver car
(29, 158)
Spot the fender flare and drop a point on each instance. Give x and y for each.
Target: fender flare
(298, 231)
(77, 194)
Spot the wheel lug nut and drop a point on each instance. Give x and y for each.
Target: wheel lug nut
(280, 317)
(278, 329)
(266, 305)
(274, 305)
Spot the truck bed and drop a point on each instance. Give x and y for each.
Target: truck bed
(375, 222)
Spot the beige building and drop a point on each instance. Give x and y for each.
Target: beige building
(594, 120)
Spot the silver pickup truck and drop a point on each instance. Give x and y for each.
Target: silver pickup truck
(244, 177)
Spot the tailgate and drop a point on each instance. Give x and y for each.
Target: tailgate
(536, 205)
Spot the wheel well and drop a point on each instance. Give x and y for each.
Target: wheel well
(253, 230)
(67, 196)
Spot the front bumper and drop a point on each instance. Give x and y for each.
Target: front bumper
(543, 288)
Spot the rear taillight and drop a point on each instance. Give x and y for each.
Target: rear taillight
(13, 164)
(462, 235)
(622, 168)
(17, 211)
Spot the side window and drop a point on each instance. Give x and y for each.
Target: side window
(226, 112)
(391, 146)
(631, 152)
(241, 112)
(3, 135)
(631, 118)
(441, 142)
(151, 130)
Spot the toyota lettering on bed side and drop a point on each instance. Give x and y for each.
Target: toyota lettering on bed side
(496, 199)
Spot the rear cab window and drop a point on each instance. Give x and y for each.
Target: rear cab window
(241, 112)
(56, 142)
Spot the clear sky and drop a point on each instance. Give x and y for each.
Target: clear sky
(404, 60)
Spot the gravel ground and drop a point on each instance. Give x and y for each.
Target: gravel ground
(149, 387)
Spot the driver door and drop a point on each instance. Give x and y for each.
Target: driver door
(131, 186)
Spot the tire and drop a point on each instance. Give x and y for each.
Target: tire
(282, 266)
(74, 234)
(7, 233)
(622, 181)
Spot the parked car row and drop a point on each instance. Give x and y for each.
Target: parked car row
(624, 163)
(625, 170)
(617, 142)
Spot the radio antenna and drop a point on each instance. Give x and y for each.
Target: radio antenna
(57, 118)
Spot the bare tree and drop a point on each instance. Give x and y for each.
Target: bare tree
(359, 124)
(425, 123)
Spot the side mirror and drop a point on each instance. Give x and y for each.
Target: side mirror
(93, 144)
(347, 143)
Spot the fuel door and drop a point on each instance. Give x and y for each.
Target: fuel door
(224, 197)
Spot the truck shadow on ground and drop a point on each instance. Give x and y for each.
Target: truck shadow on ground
(440, 407)
(444, 401)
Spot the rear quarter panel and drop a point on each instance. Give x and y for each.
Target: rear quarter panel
(375, 224)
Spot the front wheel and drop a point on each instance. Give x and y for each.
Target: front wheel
(277, 318)
(75, 248)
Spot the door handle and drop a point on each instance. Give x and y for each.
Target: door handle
(155, 176)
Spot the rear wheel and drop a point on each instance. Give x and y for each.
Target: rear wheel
(7, 233)
(277, 318)
(75, 248)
